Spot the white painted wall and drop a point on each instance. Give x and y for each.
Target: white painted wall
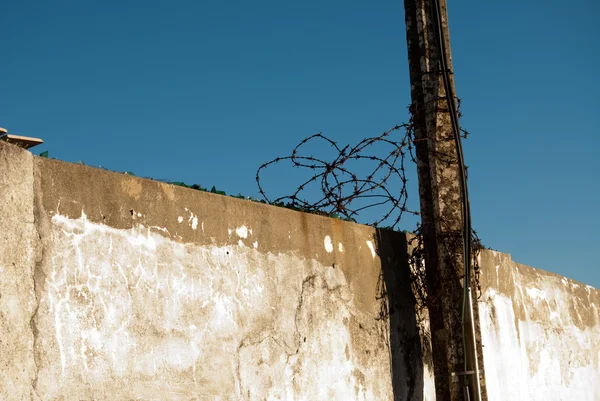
(541, 334)
(136, 313)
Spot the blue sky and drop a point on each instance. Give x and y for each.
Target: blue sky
(205, 92)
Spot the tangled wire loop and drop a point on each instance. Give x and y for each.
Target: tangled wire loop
(344, 193)
(417, 263)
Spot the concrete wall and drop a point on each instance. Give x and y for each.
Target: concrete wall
(19, 254)
(114, 287)
(540, 332)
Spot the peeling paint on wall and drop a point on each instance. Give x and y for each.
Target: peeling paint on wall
(125, 306)
(243, 231)
(133, 306)
(371, 248)
(328, 244)
(540, 332)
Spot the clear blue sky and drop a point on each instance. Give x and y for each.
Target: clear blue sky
(204, 92)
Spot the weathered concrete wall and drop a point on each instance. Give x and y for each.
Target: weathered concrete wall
(149, 291)
(540, 331)
(115, 287)
(19, 252)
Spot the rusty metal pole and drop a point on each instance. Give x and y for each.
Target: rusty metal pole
(454, 348)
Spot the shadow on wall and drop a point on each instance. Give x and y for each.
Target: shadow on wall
(398, 308)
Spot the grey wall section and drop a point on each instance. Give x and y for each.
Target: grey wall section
(540, 331)
(115, 287)
(145, 290)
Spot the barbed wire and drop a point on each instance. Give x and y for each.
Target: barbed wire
(416, 260)
(347, 193)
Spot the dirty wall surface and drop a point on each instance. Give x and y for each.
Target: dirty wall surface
(119, 288)
(115, 287)
(540, 333)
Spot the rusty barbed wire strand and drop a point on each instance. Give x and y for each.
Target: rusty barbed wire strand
(346, 193)
(342, 189)
(416, 262)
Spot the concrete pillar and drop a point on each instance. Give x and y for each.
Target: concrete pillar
(440, 197)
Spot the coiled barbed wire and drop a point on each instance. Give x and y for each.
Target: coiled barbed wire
(344, 193)
(343, 190)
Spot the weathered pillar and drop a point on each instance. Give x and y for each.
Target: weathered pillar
(440, 197)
